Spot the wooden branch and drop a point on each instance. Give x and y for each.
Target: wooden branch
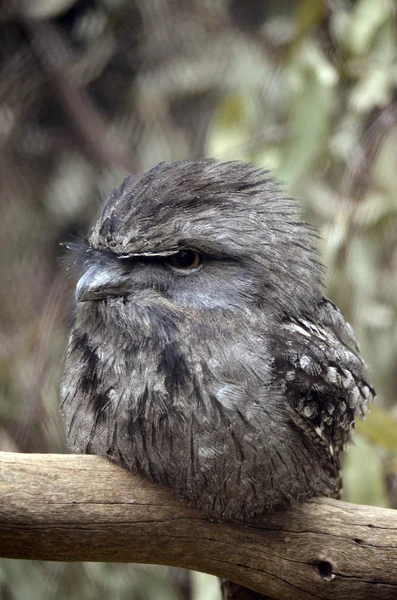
(72, 508)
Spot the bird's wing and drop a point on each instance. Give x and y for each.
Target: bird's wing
(323, 379)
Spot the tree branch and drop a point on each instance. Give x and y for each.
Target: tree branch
(72, 508)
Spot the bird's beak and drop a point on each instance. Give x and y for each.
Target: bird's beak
(101, 282)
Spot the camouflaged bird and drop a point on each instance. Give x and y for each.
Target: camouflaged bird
(203, 353)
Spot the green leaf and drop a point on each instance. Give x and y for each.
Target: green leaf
(379, 428)
(309, 13)
(362, 475)
(314, 81)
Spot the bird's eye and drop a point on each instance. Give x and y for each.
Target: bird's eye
(186, 259)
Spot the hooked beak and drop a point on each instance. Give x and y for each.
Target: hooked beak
(101, 282)
(105, 280)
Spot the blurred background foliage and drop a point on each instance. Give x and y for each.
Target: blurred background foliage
(93, 89)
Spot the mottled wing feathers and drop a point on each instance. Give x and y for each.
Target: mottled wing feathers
(324, 380)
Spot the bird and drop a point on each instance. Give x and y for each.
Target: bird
(203, 353)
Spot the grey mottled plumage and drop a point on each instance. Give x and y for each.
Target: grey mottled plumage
(235, 382)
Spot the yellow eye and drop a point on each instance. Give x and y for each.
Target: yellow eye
(186, 259)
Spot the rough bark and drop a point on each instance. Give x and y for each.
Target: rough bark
(72, 508)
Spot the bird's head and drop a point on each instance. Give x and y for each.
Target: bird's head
(204, 235)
